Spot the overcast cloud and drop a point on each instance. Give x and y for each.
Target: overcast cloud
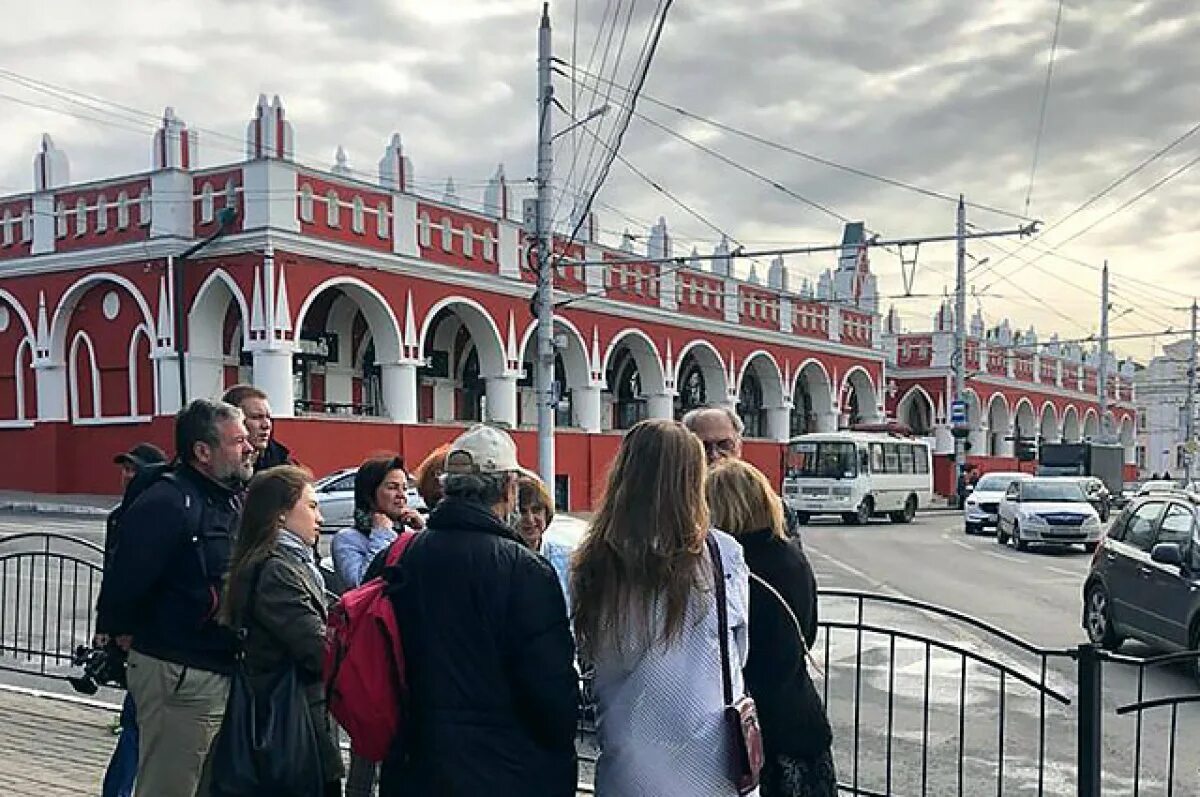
(938, 93)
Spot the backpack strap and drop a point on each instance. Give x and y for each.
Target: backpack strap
(398, 547)
(193, 515)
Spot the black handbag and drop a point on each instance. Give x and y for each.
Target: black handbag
(267, 746)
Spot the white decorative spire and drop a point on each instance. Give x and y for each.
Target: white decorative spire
(341, 162)
(411, 343)
(776, 276)
(42, 344)
(395, 170)
(496, 198)
(514, 357)
(165, 327)
(50, 166)
(283, 310)
(258, 316)
(175, 147)
(720, 261)
(597, 363)
(669, 376)
(450, 195)
(659, 244)
(269, 134)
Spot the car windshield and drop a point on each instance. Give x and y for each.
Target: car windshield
(822, 460)
(1053, 491)
(995, 482)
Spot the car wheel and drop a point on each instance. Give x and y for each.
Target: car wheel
(910, 510)
(1020, 544)
(968, 529)
(1091, 547)
(802, 518)
(1097, 620)
(1001, 534)
(863, 515)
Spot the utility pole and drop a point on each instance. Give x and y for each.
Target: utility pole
(1102, 377)
(1190, 401)
(544, 366)
(959, 359)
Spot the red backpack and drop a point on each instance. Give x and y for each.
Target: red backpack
(365, 683)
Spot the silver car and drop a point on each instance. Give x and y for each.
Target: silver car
(982, 507)
(335, 495)
(1048, 511)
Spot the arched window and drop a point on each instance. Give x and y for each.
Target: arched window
(145, 212)
(81, 217)
(489, 246)
(381, 220)
(6, 228)
(60, 220)
(468, 241)
(333, 210)
(122, 210)
(447, 235)
(26, 226)
(206, 204)
(101, 213)
(424, 234)
(306, 203)
(750, 405)
(230, 194)
(356, 218)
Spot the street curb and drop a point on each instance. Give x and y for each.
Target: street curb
(53, 509)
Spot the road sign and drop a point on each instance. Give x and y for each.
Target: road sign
(958, 412)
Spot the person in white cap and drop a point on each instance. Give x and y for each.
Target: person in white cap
(489, 657)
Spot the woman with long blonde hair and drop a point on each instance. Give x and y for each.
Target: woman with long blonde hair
(783, 626)
(644, 604)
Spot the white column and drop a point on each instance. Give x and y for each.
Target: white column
(825, 421)
(166, 373)
(205, 376)
(502, 399)
(978, 439)
(339, 384)
(1004, 446)
(527, 399)
(661, 405)
(586, 405)
(51, 391)
(399, 384)
(273, 374)
(779, 424)
(943, 439)
(443, 400)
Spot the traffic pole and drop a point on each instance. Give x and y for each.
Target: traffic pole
(544, 365)
(959, 358)
(1102, 377)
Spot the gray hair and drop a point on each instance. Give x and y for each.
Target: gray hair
(199, 422)
(485, 489)
(692, 417)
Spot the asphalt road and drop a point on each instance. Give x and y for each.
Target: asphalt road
(934, 712)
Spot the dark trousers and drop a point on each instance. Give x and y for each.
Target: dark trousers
(122, 767)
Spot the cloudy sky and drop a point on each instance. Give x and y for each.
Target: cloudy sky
(939, 94)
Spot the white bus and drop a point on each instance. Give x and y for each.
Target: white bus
(857, 475)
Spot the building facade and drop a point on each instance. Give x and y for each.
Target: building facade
(1162, 404)
(380, 319)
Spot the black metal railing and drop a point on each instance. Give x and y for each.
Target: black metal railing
(48, 589)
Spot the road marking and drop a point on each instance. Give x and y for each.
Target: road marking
(1063, 571)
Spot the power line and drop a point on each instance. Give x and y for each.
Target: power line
(1037, 143)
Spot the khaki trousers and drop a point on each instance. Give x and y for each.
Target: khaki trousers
(179, 713)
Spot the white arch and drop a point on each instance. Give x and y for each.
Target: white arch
(1029, 415)
(1070, 424)
(861, 380)
(574, 355)
(716, 374)
(26, 345)
(71, 297)
(138, 332)
(854, 373)
(1091, 423)
(913, 394)
(82, 338)
(1048, 433)
(479, 322)
(825, 379)
(769, 376)
(10, 300)
(375, 308)
(206, 316)
(1125, 431)
(649, 362)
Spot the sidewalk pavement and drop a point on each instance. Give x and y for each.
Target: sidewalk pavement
(63, 504)
(52, 747)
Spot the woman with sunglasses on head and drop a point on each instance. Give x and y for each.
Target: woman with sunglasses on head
(644, 595)
(797, 739)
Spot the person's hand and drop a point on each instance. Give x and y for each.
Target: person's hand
(124, 642)
(380, 521)
(99, 640)
(412, 518)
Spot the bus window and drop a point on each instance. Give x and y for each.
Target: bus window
(906, 458)
(921, 455)
(825, 460)
(891, 457)
(877, 457)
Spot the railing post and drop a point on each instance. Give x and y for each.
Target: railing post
(1089, 731)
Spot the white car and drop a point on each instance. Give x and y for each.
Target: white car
(982, 507)
(1048, 511)
(335, 496)
(1159, 486)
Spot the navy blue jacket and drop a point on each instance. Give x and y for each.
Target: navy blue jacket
(168, 570)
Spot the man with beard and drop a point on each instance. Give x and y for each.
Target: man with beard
(268, 452)
(162, 593)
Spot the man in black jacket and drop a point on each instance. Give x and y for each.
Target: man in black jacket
(163, 588)
(268, 452)
(489, 655)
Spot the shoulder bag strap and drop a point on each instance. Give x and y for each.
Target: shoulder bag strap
(762, 582)
(718, 568)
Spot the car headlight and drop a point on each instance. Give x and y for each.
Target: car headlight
(1091, 521)
(1032, 520)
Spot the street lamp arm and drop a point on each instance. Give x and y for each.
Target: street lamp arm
(225, 218)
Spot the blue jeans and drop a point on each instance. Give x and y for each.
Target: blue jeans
(122, 767)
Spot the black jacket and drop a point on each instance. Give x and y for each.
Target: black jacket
(137, 485)
(168, 570)
(276, 453)
(494, 692)
(790, 710)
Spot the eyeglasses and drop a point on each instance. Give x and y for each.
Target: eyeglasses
(726, 446)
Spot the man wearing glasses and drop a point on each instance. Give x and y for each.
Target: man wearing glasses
(720, 430)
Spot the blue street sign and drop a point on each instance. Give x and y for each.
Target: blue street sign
(958, 412)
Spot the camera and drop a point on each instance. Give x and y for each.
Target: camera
(102, 666)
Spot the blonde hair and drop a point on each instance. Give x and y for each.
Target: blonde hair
(645, 542)
(741, 499)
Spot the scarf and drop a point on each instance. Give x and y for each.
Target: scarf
(290, 541)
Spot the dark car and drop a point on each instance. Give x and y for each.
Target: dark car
(1144, 582)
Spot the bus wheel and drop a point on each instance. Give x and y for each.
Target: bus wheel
(862, 515)
(802, 518)
(906, 514)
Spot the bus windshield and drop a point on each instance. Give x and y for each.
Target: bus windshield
(822, 461)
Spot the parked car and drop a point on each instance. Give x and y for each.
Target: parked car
(1158, 486)
(1129, 491)
(1144, 581)
(1098, 495)
(1047, 511)
(335, 495)
(982, 506)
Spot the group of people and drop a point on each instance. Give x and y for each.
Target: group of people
(497, 622)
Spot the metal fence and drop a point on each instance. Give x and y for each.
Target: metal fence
(923, 700)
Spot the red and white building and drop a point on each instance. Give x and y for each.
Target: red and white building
(378, 319)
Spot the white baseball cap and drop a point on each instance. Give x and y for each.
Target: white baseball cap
(483, 449)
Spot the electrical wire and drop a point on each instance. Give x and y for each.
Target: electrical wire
(1037, 143)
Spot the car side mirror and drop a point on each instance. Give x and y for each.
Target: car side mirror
(1167, 553)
